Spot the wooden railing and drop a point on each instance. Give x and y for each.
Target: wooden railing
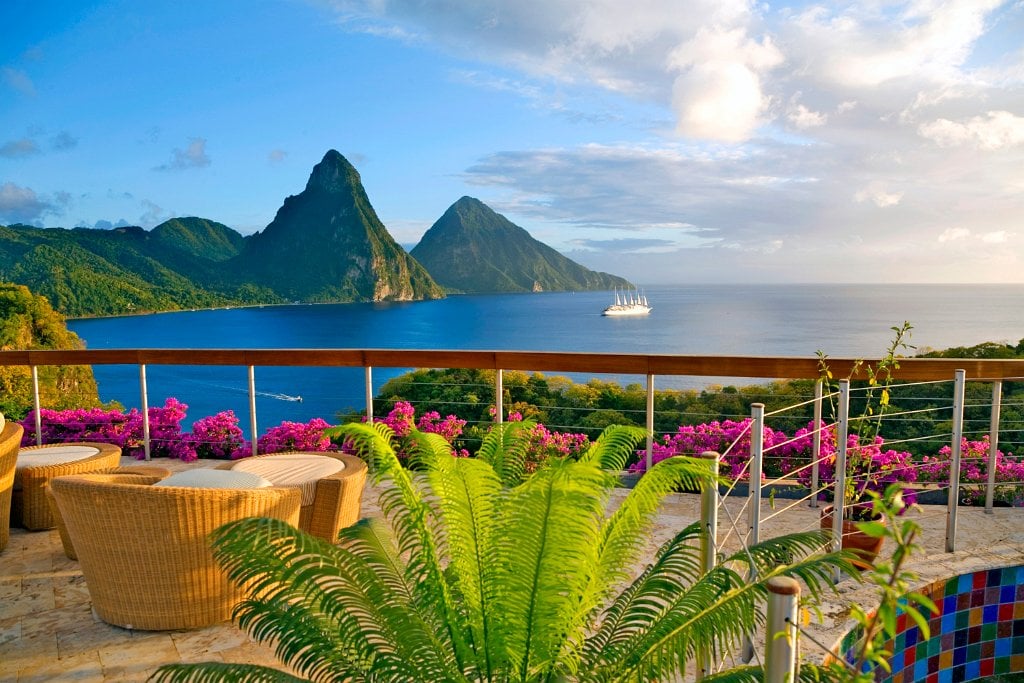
(911, 369)
(650, 365)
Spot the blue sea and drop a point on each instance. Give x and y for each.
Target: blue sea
(740, 320)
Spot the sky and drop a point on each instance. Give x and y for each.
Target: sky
(666, 141)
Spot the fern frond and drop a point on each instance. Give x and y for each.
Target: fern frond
(504, 448)
(221, 672)
(546, 556)
(329, 608)
(467, 492)
(615, 447)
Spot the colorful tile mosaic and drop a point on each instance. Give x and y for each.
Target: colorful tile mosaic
(978, 631)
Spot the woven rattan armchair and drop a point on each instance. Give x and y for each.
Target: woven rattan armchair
(148, 474)
(29, 506)
(339, 496)
(144, 550)
(10, 439)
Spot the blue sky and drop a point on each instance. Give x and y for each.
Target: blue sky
(661, 140)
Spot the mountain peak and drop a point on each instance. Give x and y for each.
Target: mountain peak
(472, 248)
(333, 174)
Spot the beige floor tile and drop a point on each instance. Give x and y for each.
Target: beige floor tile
(83, 668)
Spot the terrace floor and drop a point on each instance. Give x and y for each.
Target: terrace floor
(48, 631)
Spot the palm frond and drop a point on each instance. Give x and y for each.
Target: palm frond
(546, 556)
(221, 672)
(615, 447)
(504, 448)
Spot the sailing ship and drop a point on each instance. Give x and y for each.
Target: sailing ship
(629, 303)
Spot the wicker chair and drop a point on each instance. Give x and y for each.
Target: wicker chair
(338, 499)
(29, 506)
(10, 439)
(144, 550)
(146, 474)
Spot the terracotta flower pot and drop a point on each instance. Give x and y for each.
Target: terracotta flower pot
(866, 547)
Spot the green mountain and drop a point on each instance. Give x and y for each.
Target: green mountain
(104, 272)
(199, 237)
(473, 249)
(327, 244)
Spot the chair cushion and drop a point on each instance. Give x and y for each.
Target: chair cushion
(54, 455)
(302, 470)
(208, 478)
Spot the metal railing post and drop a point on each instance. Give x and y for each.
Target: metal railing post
(252, 406)
(708, 544)
(781, 645)
(756, 468)
(754, 496)
(369, 394)
(145, 410)
(650, 422)
(36, 403)
(838, 495)
(993, 444)
(499, 398)
(816, 442)
(954, 459)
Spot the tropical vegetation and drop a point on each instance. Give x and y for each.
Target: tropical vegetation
(28, 322)
(481, 571)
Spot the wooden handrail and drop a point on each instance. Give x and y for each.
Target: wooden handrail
(911, 369)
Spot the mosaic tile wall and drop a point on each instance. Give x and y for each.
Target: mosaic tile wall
(978, 632)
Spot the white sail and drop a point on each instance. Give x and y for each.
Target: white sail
(631, 302)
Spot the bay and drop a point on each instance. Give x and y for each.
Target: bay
(731, 320)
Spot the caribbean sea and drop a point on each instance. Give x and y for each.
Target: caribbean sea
(732, 320)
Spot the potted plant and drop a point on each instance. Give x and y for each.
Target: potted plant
(870, 469)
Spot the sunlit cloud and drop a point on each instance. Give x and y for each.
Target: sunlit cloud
(995, 130)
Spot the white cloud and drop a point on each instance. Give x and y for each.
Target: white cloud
(803, 118)
(996, 237)
(868, 44)
(276, 156)
(193, 156)
(954, 235)
(875, 193)
(996, 130)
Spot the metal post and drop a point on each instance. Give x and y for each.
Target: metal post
(39, 408)
(954, 459)
(650, 422)
(252, 406)
(993, 443)
(499, 398)
(838, 495)
(369, 394)
(756, 457)
(816, 442)
(754, 496)
(708, 540)
(781, 646)
(145, 410)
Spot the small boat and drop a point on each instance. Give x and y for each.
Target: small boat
(629, 303)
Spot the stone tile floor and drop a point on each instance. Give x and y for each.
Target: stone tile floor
(48, 631)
